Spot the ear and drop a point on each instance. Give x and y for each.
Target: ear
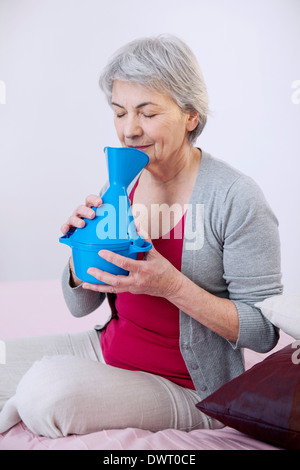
(193, 120)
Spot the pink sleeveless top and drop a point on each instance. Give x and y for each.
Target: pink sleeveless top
(145, 334)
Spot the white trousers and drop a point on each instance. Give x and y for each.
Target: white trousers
(59, 385)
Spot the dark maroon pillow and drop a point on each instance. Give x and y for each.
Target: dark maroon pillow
(263, 402)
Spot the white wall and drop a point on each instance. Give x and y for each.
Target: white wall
(55, 121)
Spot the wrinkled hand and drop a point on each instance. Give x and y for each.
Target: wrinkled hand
(82, 211)
(154, 275)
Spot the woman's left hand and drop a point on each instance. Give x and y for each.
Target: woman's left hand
(154, 275)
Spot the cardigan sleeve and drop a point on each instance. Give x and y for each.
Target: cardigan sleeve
(79, 301)
(251, 258)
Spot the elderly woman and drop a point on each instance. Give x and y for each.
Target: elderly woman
(183, 315)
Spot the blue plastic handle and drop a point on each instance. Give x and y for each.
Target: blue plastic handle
(134, 247)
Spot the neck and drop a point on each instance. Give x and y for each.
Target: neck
(181, 168)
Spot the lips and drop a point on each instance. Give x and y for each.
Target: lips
(139, 147)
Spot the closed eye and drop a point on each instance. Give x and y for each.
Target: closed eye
(149, 116)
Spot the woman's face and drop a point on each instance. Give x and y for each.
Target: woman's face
(150, 121)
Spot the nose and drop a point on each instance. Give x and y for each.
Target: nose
(132, 127)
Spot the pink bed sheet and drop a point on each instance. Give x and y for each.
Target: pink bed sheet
(20, 438)
(36, 308)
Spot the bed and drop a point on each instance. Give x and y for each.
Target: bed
(20, 316)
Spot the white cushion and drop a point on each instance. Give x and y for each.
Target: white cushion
(284, 312)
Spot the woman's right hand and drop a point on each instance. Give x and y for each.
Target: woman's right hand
(76, 221)
(82, 211)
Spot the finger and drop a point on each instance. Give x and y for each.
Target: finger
(84, 211)
(71, 224)
(103, 288)
(93, 200)
(65, 228)
(76, 219)
(76, 222)
(121, 261)
(93, 287)
(119, 282)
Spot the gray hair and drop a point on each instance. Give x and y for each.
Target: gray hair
(163, 63)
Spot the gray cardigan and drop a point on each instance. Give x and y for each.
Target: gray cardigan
(231, 249)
